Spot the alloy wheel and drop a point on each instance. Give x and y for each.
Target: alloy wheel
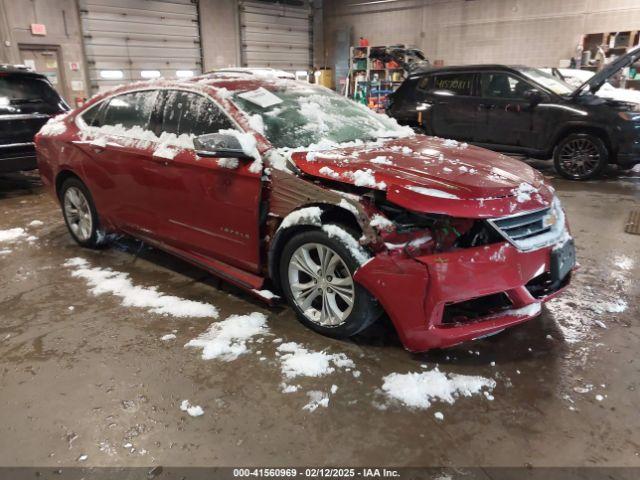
(579, 157)
(321, 284)
(78, 213)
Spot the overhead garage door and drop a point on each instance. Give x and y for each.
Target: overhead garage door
(276, 35)
(131, 40)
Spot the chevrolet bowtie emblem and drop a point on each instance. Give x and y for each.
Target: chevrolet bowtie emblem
(441, 260)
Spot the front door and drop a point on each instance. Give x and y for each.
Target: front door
(206, 206)
(451, 106)
(507, 118)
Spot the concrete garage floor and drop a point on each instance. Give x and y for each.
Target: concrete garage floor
(90, 380)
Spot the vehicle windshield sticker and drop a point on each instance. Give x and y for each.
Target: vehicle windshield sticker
(261, 97)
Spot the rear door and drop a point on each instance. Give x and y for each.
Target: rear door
(451, 105)
(119, 146)
(204, 207)
(506, 117)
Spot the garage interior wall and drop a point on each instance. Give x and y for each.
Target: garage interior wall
(535, 33)
(63, 35)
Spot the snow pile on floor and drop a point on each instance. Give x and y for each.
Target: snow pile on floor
(316, 399)
(617, 306)
(36, 223)
(266, 294)
(418, 390)
(105, 280)
(227, 340)
(5, 251)
(12, 234)
(193, 410)
(297, 361)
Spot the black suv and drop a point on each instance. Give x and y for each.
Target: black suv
(27, 101)
(524, 110)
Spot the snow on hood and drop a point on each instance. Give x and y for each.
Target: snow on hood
(429, 174)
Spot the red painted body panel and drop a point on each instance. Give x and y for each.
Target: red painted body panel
(414, 292)
(209, 215)
(482, 181)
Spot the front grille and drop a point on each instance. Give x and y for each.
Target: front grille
(532, 230)
(523, 226)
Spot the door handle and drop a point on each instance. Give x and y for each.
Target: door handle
(161, 160)
(486, 106)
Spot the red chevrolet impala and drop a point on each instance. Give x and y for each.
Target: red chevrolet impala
(278, 185)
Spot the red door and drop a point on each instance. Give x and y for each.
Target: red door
(201, 207)
(119, 164)
(209, 210)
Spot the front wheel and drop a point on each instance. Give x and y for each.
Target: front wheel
(80, 214)
(580, 156)
(316, 273)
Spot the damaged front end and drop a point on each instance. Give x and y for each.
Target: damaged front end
(445, 280)
(446, 268)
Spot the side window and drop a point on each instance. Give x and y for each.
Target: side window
(130, 110)
(192, 114)
(503, 85)
(457, 83)
(425, 83)
(93, 117)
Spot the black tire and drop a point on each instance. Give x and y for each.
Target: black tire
(95, 237)
(365, 308)
(580, 156)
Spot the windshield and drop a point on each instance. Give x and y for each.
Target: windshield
(548, 81)
(299, 115)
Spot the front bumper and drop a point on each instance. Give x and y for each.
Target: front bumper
(628, 151)
(17, 157)
(416, 292)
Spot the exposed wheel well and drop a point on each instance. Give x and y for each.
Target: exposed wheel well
(330, 214)
(63, 176)
(595, 131)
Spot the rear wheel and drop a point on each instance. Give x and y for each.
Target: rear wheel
(80, 214)
(316, 273)
(580, 156)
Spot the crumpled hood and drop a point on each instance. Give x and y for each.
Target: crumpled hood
(428, 174)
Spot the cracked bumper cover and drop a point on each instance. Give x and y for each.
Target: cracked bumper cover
(414, 292)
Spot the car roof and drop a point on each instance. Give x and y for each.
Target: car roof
(19, 70)
(465, 68)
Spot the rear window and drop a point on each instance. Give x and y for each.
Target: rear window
(457, 83)
(128, 110)
(16, 91)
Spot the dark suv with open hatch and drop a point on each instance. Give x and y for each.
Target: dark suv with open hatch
(524, 110)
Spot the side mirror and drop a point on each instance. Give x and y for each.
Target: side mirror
(219, 145)
(533, 96)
